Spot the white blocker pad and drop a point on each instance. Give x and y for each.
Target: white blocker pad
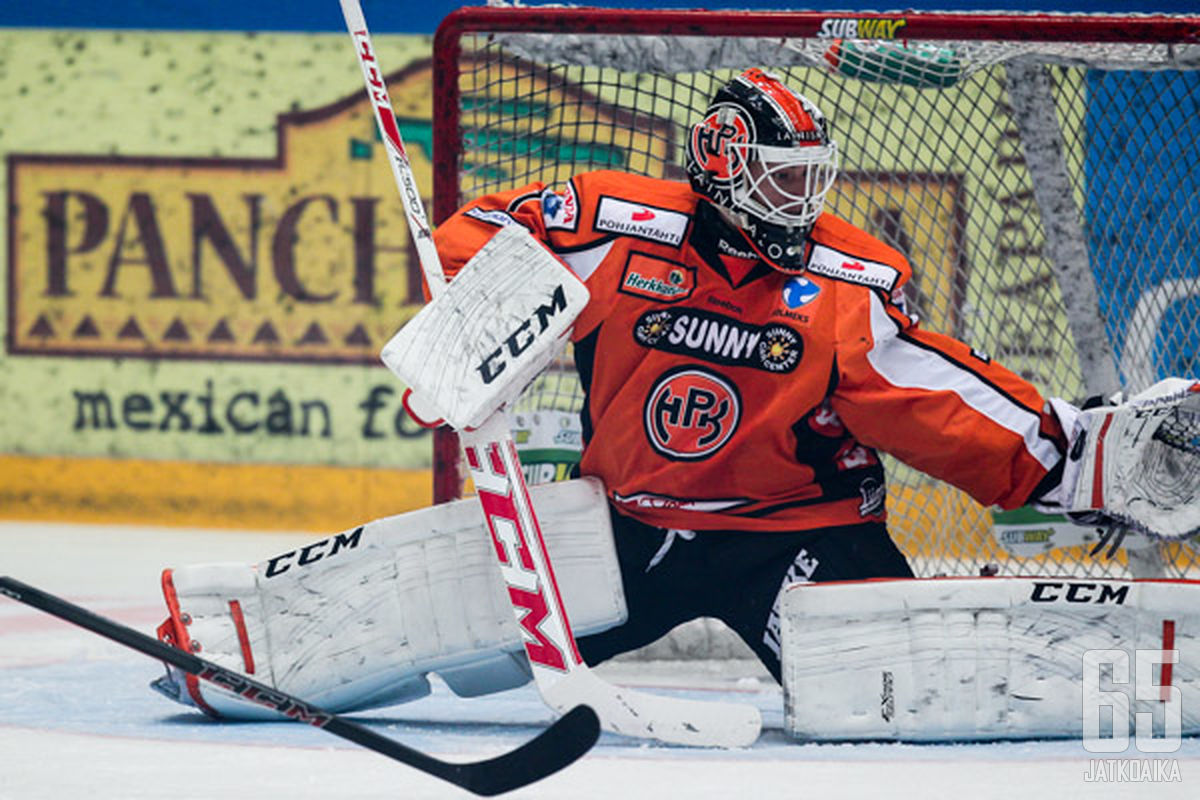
(359, 619)
(960, 659)
(487, 334)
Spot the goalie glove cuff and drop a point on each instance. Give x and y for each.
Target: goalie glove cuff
(1053, 494)
(419, 412)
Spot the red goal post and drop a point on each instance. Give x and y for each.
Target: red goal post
(1040, 171)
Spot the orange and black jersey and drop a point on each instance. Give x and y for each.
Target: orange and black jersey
(725, 395)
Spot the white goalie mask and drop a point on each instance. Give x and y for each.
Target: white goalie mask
(763, 155)
(784, 185)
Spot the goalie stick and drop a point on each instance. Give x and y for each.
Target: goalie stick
(568, 738)
(561, 676)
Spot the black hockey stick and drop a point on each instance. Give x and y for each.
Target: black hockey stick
(564, 741)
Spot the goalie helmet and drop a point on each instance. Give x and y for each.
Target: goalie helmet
(762, 154)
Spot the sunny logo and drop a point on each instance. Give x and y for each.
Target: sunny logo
(718, 339)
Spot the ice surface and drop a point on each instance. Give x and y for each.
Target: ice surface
(77, 720)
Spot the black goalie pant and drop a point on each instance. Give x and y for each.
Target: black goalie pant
(671, 577)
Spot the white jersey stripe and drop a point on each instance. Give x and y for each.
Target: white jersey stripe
(584, 262)
(907, 366)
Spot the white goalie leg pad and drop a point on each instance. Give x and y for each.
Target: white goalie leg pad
(1137, 465)
(359, 619)
(497, 325)
(961, 659)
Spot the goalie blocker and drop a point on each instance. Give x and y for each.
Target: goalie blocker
(358, 620)
(954, 659)
(483, 337)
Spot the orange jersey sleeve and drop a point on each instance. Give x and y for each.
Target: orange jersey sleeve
(939, 405)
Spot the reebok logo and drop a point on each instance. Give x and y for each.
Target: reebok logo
(651, 500)
(491, 216)
(729, 250)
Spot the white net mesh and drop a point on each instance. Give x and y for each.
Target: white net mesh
(1047, 195)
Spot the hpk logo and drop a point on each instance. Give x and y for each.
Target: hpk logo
(691, 413)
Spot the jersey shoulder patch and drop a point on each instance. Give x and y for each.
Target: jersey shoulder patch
(650, 209)
(845, 267)
(846, 253)
(560, 209)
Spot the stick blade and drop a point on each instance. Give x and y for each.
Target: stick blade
(569, 738)
(671, 720)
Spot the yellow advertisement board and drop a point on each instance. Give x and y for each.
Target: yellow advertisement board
(303, 256)
(205, 252)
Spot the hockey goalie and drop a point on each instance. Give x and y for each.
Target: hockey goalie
(745, 357)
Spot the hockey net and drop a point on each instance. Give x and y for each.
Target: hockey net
(1039, 172)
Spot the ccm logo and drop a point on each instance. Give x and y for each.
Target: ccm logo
(513, 550)
(1049, 592)
(246, 688)
(314, 552)
(520, 339)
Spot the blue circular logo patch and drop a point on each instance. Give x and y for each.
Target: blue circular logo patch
(799, 291)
